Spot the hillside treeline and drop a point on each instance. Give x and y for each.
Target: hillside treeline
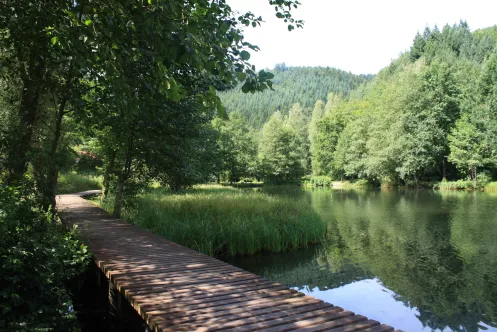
(430, 115)
(291, 85)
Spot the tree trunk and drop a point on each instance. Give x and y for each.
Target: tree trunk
(28, 110)
(124, 175)
(109, 168)
(119, 196)
(53, 171)
(444, 169)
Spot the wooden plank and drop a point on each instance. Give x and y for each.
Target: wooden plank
(153, 278)
(235, 285)
(305, 319)
(284, 316)
(324, 325)
(360, 326)
(233, 309)
(168, 284)
(152, 305)
(262, 291)
(186, 268)
(213, 297)
(381, 328)
(224, 317)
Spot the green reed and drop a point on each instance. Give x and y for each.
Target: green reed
(220, 220)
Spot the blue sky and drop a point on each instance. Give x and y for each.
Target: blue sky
(354, 35)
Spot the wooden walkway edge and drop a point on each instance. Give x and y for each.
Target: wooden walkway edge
(174, 288)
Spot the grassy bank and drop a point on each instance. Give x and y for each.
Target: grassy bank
(73, 182)
(218, 220)
(467, 185)
(491, 187)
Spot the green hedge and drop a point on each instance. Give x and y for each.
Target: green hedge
(38, 258)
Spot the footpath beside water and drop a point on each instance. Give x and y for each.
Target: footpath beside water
(174, 288)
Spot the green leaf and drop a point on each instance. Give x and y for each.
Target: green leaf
(88, 22)
(241, 76)
(247, 87)
(54, 40)
(245, 55)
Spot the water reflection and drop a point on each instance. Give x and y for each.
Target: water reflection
(417, 260)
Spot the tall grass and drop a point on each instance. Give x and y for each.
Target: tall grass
(491, 187)
(219, 220)
(458, 185)
(74, 182)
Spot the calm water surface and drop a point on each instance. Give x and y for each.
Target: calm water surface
(416, 260)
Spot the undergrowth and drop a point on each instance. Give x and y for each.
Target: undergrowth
(73, 182)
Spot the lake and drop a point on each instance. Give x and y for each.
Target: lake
(416, 260)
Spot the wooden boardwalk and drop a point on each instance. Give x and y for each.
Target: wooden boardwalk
(178, 289)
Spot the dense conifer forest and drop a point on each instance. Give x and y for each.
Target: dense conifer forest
(291, 85)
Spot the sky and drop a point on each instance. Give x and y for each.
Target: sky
(360, 36)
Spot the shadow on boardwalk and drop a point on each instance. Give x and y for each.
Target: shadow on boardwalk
(178, 289)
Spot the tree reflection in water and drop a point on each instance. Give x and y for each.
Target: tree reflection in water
(436, 252)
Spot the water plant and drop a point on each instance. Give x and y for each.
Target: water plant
(219, 220)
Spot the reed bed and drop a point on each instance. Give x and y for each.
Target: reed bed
(218, 220)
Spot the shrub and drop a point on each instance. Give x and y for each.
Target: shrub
(87, 161)
(37, 258)
(482, 179)
(491, 187)
(458, 185)
(73, 182)
(389, 182)
(319, 181)
(362, 183)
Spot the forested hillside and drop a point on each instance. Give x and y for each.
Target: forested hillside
(430, 115)
(303, 85)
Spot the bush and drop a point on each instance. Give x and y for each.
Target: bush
(87, 161)
(458, 185)
(37, 258)
(362, 183)
(491, 187)
(482, 179)
(72, 183)
(389, 182)
(319, 181)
